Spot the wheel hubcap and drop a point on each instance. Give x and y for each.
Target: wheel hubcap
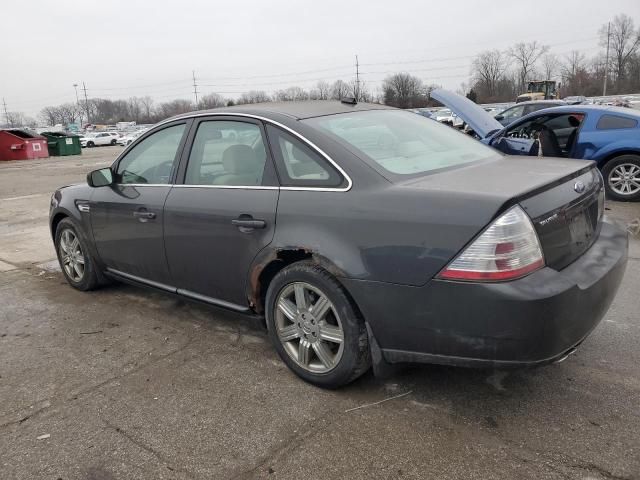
(624, 179)
(309, 327)
(71, 255)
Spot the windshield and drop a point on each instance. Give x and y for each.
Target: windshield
(402, 143)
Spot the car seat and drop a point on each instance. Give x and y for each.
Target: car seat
(241, 166)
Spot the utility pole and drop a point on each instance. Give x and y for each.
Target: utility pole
(357, 92)
(75, 85)
(195, 87)
(6, 114)
(606, 62)
(86, 102)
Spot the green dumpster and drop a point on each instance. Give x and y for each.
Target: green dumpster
(62, 144)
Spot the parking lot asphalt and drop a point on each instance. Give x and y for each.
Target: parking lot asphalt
(124, 383)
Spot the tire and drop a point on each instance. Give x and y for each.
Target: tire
(622, 178)
(114, 142)
(329, 351)
(91, 144)
(65, 231)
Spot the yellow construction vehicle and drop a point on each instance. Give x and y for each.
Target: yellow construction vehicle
(539, 90)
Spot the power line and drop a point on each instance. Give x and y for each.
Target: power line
(357, 92)
(86, 102)
(606, 63)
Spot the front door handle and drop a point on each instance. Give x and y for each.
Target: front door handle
(144, 215)
(246, 222)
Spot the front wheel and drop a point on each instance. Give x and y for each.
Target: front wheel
(622, 178)
(74, 257)
(114, 142)
(314, 326)
(91, 144)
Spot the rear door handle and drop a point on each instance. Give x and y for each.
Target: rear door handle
(248, 222)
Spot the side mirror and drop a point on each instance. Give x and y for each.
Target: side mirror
(499, 117)
(100, 178)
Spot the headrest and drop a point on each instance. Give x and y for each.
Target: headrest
(573, 121)
(239, 160)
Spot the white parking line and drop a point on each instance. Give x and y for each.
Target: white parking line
(8, 199)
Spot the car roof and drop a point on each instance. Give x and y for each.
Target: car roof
(297, 110)
(539, 102)
(630, 112)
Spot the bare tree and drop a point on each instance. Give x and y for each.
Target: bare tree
(624, 43)
(550, 66)
(403, 90)
(339, 90)
(323, 89)
(49, 115)
(16, 119)
(213, 100)
(488, 68)
(146, 105)
(175, 107)
(254, 96)
(135, 109)
(291, 94)
(526, 55)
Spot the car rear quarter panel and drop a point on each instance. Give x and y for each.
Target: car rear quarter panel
(390, 234)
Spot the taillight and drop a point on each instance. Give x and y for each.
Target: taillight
(509, 248)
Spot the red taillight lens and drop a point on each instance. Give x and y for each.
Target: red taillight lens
(509, 248)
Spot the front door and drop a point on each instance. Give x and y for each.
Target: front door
(126, 217)
(224, 213)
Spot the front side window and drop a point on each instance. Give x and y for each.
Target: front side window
(228, 153)
(153, 159)
(401, 143)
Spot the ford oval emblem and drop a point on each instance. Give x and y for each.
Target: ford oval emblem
(579, 187)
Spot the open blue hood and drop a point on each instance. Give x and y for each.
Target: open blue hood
(473, 114)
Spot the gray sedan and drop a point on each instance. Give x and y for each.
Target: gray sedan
(362, 234)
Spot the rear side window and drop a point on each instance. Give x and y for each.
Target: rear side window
(299, 165)
(612, 122)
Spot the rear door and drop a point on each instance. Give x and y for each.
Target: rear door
(222, 212)
(126, 217)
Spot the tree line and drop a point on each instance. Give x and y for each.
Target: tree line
(495, 76)
(501, 75)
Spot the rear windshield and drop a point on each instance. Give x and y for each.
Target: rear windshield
(402, 143)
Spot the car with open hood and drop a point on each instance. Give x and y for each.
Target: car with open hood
(608, 135)
(362, 235)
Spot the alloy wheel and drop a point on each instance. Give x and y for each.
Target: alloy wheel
(309, 327)
(71, 255)
(624, 179)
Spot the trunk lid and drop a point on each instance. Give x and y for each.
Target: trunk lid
(563, 198)
(476, 117)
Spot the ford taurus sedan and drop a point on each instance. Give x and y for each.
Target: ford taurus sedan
(364, 235)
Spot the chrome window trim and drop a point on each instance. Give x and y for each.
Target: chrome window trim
(229, 187)
(284, 127)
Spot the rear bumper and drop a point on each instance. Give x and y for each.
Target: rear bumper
(531, 321)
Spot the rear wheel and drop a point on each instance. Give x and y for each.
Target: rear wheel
(622, 177)
(314, 326)
(75, 261)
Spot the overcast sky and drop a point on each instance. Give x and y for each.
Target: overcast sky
(125, 48)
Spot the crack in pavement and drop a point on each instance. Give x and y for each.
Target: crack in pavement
(149, 449)
(99, 385)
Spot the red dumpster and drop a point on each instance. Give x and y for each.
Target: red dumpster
(22, 145)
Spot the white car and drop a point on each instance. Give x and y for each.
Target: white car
(128, 138)
(443, 115)
(98, 139)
